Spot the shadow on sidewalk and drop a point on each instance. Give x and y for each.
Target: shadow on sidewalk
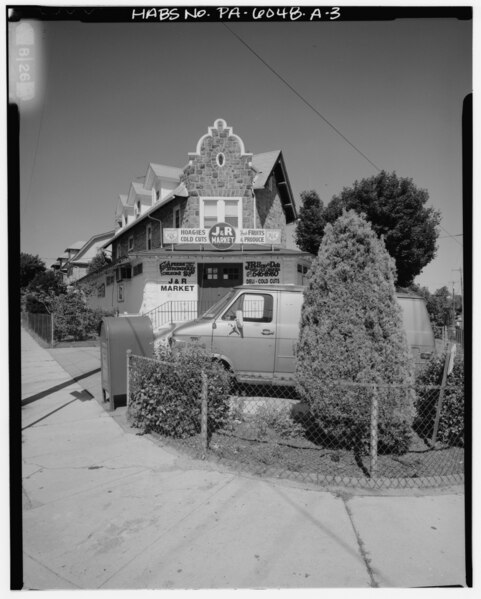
(47, 392)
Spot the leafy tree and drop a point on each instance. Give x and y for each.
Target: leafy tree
(73, 317)
(440, 305)
(42, 289)
(310, 227)
(99, 261)
(47, 282)
(397, 210)
(30, 266)
(351, 332)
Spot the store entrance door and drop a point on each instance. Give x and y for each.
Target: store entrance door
(215, 280)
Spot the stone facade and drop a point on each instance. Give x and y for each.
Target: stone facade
(220, 168)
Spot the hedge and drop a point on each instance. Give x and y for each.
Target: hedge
(165, 396)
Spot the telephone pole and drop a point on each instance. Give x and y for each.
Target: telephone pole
(460, 270)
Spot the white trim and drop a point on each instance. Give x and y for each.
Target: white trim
(230, 133)
(220, 208)
(218, 159)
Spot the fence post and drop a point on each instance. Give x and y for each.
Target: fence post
(441, 394)
(129, 353)
(51, 330)
(374, 432)
(203, 413)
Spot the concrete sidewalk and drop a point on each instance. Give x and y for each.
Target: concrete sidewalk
(107, 509)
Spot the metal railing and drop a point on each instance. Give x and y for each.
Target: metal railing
(358, 435)
(40, 324)
(176, 311)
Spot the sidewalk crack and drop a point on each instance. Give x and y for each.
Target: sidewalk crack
(362, 549)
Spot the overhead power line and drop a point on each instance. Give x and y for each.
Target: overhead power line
(453, 236)
(301, 97)
(333, 127)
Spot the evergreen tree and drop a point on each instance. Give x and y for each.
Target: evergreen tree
(310, 227)
(351, 332)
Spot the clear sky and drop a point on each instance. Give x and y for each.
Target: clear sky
(117, 96)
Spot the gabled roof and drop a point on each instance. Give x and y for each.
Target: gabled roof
(137, 189)
(75, 246)
(270, 163)
(166, 172)
(91, 247)
(179, 191)
(264, 165)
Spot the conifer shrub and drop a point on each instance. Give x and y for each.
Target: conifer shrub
(165, 395)
(352, 342)
(451, 421)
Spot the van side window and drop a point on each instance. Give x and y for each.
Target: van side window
(255, 307)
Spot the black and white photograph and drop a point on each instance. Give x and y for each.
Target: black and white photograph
(240, 296)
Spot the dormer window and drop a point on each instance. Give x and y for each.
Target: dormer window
(137, 208)
(220, 159)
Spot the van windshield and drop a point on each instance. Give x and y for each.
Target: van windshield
(215, 310)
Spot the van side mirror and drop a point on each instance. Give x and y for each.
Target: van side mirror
(239, 319)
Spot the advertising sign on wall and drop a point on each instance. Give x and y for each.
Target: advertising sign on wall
(265, 272)
(178, 276)
(222, 236)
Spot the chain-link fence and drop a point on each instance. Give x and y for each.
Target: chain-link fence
(40, 324)
(363, 435)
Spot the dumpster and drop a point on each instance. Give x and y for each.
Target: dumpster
(117, 335)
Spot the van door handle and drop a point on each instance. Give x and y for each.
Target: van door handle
(267, 332)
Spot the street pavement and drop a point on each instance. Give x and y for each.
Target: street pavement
(105, 508)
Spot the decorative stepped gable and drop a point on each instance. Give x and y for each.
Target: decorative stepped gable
(221, 168)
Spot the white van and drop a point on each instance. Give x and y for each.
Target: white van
(254, 330)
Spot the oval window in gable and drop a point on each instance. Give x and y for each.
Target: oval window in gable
(220, 159)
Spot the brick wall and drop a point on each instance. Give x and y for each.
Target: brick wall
(139, 231)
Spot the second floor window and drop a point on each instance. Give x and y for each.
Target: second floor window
(149, 237)
(131, 244)
(221, 210)
(177, 218)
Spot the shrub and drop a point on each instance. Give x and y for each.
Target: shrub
(165, 396)
(451, 422)
(74, 319)
(351, 331)
(277, 417)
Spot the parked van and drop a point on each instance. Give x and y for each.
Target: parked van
(254, 330)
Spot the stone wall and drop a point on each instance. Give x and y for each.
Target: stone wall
(270, 214)
(221, 169)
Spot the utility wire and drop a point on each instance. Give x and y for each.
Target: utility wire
(453, 236)
(314, 109)
(300, 96)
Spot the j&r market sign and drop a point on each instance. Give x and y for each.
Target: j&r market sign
(222, 236)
